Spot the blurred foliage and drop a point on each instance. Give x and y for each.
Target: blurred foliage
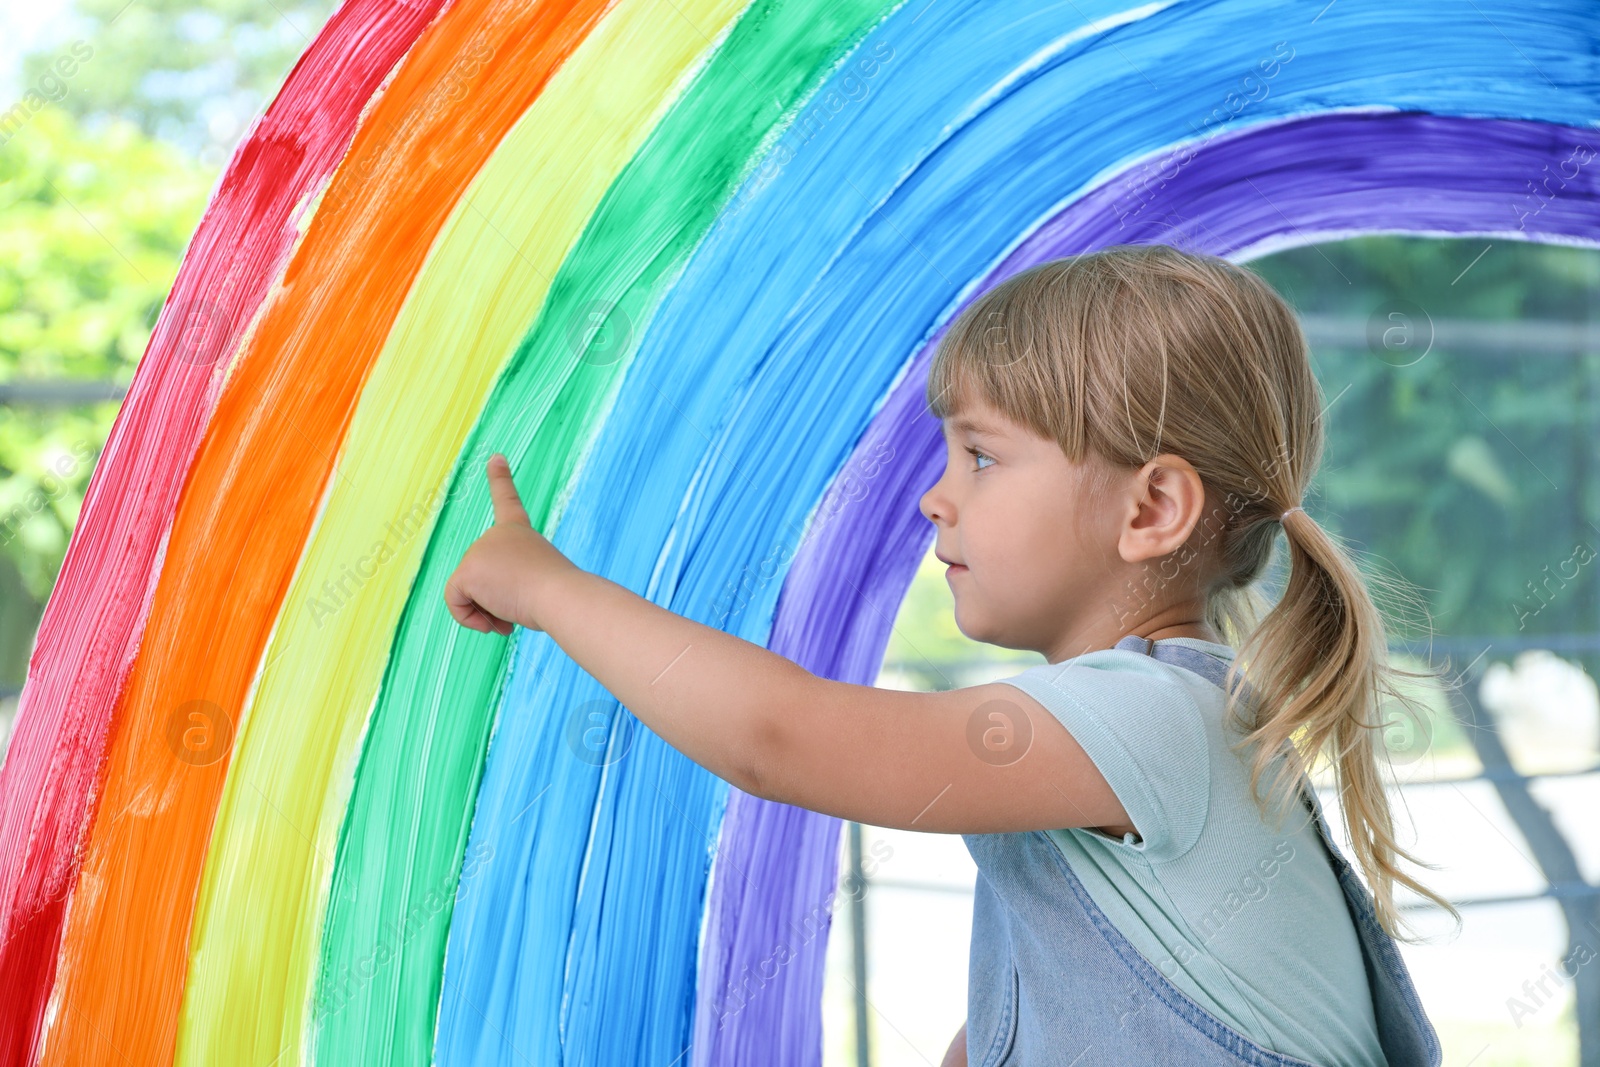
(92, 229)
(1468, 473)
(194, 73)
(107, 160)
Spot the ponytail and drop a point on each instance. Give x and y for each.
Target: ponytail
(1319, 668)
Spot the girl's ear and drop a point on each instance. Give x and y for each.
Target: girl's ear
(1167, 502)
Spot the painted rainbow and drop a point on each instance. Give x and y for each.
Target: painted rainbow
(683, 262)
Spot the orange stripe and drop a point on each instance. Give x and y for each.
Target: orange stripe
(248, 509)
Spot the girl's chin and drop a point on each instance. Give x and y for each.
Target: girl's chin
(970, 628)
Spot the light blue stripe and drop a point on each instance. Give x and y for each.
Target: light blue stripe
(765, 363)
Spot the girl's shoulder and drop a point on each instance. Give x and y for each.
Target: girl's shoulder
(1151, 728)
(1184, 670)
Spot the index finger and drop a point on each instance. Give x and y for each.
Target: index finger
(503, 491)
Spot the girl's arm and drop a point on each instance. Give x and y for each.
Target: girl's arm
(986, 759)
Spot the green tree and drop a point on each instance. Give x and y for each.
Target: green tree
(1459, 460)
(190, 72)
(92, 229)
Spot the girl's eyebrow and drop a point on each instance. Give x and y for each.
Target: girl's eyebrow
(970, 425)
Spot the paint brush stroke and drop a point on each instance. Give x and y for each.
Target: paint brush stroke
(1564, 71)
(383, 945)
(645, 847)
(1315, 179)
(254, 492)
(96, 614)
(795, 287)
(487, 275)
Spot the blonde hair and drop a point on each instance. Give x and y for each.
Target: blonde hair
(1138, 350)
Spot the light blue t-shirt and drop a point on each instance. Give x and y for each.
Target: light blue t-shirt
(1249, 922)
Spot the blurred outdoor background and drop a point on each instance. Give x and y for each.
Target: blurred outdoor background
(1462, 382)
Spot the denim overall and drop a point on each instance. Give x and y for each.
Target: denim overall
(1114, 1008)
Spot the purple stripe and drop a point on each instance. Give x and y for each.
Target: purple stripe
(1274, 186)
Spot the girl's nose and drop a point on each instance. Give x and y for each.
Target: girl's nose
(935, 507)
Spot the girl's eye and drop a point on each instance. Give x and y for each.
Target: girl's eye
(976, 455)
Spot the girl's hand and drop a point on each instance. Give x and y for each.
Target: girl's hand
(497, 584)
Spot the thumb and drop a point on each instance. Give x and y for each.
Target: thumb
(503, 491)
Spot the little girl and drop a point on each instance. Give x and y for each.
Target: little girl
(1126, 433)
